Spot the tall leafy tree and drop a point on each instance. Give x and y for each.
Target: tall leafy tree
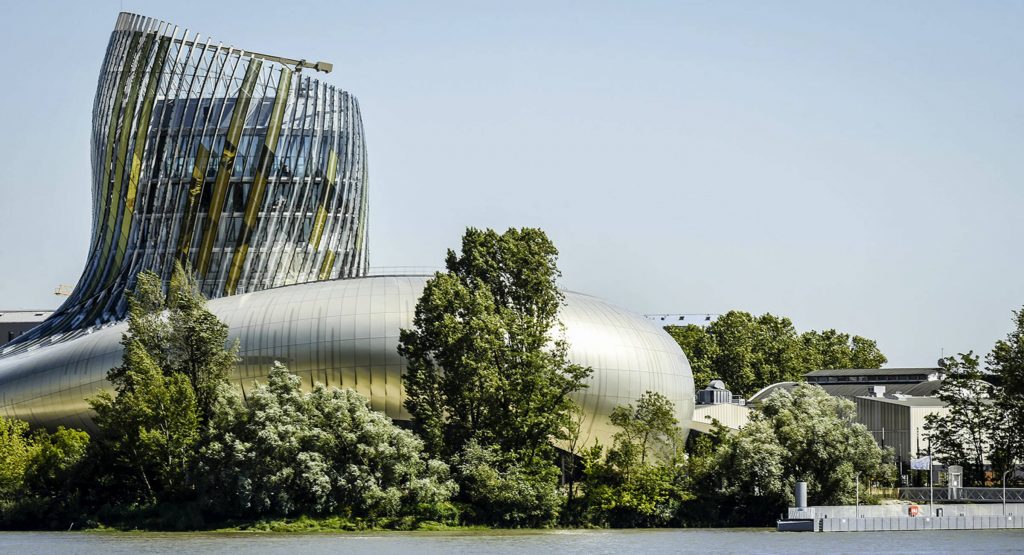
(648, 429)
(963, 434)
(1006, 360)
(750, 352)
(175, 365)
(637, 482)
(831, 349)
(701, 350)
(864, 353)
(777, 355)
(486, 354)
(148, 429)
(734, 333)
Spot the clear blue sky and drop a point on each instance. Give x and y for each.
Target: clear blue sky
(856, 165)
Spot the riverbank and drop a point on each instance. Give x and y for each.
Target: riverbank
(299, 525)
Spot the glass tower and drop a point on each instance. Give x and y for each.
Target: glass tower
(238, 164)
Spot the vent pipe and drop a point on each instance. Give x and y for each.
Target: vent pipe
(801, 495)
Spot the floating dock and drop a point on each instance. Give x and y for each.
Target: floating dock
(902, 517)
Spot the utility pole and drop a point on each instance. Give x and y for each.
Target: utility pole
(856, 510)
(1012, 468)
(931, 480)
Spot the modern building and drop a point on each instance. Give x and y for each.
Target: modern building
(715, 403)
(13, 323)
(898, 422)
(892, 403)
(240, 164)
(857, 382)
(254, 173)
(344, 333)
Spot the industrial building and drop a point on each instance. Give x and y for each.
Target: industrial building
(13, 323)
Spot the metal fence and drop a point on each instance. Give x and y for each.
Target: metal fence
(972, 495)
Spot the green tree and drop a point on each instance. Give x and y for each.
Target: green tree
(963, 434)
(639, 481)
(286, 453)
(488, 367)
(750, 352)
(830, 349)
(803, 434)
(486, 357)
(1006, 360)
(647, 430)
(15, 454)
(776, 353)
(55, 458)
(865, 353)
(148, 431)
(734, 334)
(747, 352)
(175, 365)
(505, 490)
(700, 349)
(36, 471)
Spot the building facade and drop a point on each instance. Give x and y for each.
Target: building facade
(344, 333)
(237, 164)
(253, 174)
(13, 323)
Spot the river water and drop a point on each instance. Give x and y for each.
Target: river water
(559, 542)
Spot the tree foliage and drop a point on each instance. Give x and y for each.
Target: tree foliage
(502, 489)
(750, 352)
(1006, 361)
(15, 453)
(962, 435)
(486, 361)
(638, 481)
(803, 434)
(36, 468)
(174, 366)
(286, 453)
(649, 429)
(831, 349)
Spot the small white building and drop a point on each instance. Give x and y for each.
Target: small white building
(716, 402)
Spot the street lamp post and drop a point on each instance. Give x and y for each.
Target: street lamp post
(931, 480)
(856, 510)
(1012, 468)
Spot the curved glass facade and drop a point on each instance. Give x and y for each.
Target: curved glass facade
(249, 170)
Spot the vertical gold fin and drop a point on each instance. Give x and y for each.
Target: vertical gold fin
(227, 166)
(259, 183)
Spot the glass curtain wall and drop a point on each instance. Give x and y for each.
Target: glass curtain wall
(249, 171)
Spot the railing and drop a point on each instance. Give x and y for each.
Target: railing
(970, 495)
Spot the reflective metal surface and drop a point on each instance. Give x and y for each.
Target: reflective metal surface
(344, 333)
(255, 174)
(250, 170)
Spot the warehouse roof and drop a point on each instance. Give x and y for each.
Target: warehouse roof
(851, 372)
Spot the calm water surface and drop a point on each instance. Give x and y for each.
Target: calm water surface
(559, 542)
